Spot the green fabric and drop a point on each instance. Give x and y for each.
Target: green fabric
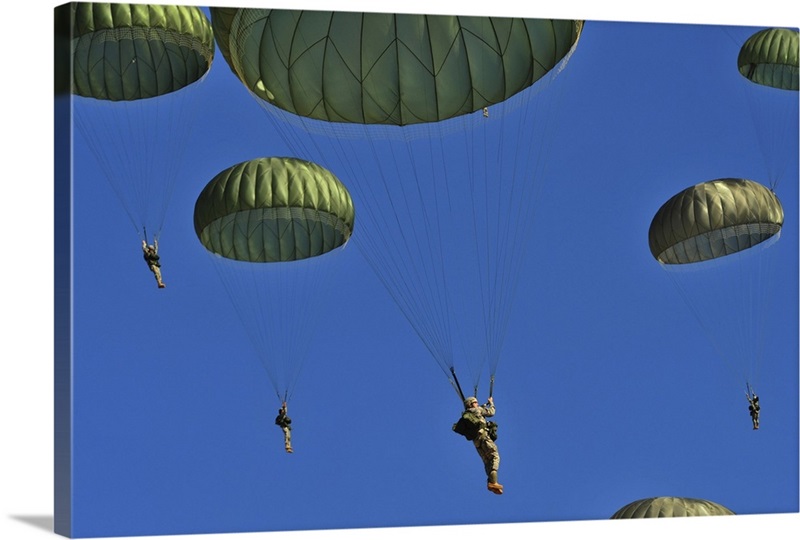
(714, 219)
(770, 57)
(273, 209)
(381, 68)
(136, 51)
(468, 425)
(221, 19)
(657, 507)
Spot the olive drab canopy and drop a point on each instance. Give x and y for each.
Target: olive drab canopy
(136, 71)
(716, 242)
(132, 51)
(770, 57)
(658, 507)
(714, 219)
(382, 68)
(273, 209)
(441, 125)
(275, 230)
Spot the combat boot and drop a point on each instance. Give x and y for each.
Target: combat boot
(492, 484)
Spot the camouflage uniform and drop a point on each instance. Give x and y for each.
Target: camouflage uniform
(485, 446)
(754, 409)
(283, 421)
(152, 259)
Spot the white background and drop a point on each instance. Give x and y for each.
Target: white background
(26, 328)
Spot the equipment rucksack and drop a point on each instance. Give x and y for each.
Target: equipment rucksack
(468, 425)
(491, 429)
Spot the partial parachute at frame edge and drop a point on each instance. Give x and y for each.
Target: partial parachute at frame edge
(135, 69)
(366, 80)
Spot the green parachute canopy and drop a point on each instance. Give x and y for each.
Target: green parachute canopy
(130, 51)
(658, 507)
(770, 57)
(714, 219)
(442, 126)
(276, 210)
(272, 210)
(382, 68)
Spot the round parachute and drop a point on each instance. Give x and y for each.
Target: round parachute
(383, 68)
(768, 63)
(714, 219)
(130, 51)
(136, 68)
(273, 209)
(273, 229)
(716, 242)
(770, 57)
(441, 126)
(658, 507)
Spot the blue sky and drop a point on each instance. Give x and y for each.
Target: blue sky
(608, 389)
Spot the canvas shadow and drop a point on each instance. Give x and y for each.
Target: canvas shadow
(43, 522)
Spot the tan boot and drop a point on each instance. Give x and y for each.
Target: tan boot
(289, 450)
(492, 484)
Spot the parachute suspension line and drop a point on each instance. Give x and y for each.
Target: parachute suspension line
(504, 229)
(443, 185)
(456, 385)
(763, 296)
(176, 120)
(144, 187)
(431, 237)
(772, 113)
(531, 126)
(135, 151)
(749, 391)
(370, 185)
(537, 127)
(495, 249)
(771, 132)
(482, 236)
(297, 331)
(736, 40)
(233, 283)
(710, 334)
(277, 335)
(502, 223)
(93, 133)
(515, 228)
(400, 276)
(508, 233)
(144, 236)
(260, 340)
(533, 121)
(486, 265)
(753, 289)
(748, 333)
(149, 138)
(406, 281)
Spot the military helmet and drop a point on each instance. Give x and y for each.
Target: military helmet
(469, 401)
